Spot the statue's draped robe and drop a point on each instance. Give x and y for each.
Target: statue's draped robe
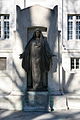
(36, 61)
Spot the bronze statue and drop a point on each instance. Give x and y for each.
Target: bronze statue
(36, 60)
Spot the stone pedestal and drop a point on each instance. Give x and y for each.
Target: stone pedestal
(36, 101)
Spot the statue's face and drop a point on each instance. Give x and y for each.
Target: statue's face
(38, 34)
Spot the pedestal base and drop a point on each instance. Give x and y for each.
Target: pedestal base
(36, 101)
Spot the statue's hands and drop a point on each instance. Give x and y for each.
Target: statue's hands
(21, 56)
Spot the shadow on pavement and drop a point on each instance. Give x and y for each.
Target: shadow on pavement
(20, 115)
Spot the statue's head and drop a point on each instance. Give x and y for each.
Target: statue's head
(37, 33)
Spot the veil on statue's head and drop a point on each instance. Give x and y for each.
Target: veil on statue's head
(34, 34)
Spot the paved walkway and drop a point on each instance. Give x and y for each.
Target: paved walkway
(59, 115)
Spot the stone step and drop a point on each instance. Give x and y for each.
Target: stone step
(64, 102)
(61, 102)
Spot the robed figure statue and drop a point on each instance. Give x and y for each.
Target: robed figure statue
(36, 60)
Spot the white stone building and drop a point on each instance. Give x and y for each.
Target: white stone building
(61, 18)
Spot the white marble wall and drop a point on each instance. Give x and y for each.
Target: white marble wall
(71, 48)
(13, 81)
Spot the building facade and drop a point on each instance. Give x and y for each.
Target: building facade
(60, 23)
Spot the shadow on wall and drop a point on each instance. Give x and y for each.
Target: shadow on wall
(66, 84)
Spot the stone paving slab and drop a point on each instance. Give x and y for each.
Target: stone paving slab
(55, 115)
